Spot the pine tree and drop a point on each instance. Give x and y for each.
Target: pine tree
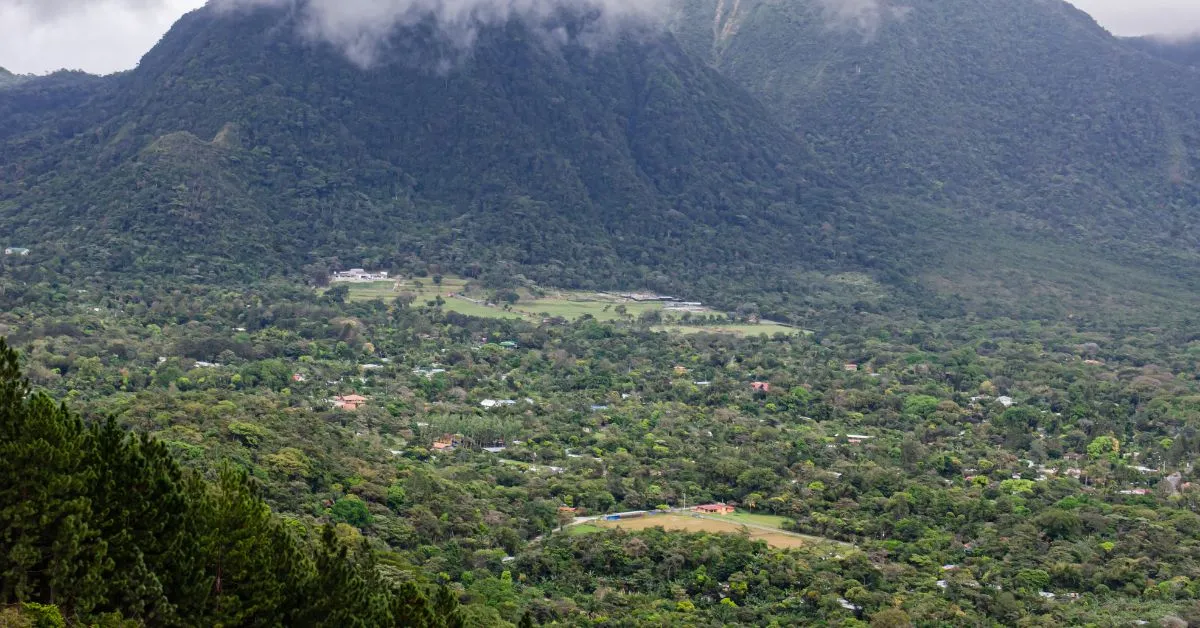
(339, 594)
(104, 525)
(410, 608)
(445, 606)
(142, 511)
(49, 553)
(255, 569)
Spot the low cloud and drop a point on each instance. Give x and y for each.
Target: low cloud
(862, 16)
(362, 29)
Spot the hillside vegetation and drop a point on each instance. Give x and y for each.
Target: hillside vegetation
(938, 169)
(1017, 117)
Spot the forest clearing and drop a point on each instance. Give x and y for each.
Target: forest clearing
(692, 522)
(459, 295)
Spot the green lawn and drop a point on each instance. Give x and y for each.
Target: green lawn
(741, 329)
(770, 521)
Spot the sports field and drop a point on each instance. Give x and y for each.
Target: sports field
(691, 523)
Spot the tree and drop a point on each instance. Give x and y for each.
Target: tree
(891, 618)
(338, 293)
(920, 405)
(352, 510)
(51, 552)
(1107, 447)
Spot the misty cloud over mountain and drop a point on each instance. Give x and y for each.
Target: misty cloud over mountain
(362, 28)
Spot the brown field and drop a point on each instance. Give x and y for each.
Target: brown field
(688, 523)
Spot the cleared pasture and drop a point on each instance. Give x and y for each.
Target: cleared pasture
(563, 304)
(692, 523)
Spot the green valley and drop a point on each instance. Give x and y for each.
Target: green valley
(594, 313)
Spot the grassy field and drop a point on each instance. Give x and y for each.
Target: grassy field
(583, 528)
(769, 329)
(690, 523)
(568, 305)
(770, 521)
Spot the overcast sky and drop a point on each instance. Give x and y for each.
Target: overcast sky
(109, 35)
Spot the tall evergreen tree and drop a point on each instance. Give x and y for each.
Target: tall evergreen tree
(105, 525)
(49, 552)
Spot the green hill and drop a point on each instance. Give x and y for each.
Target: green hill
(1185, 51)
(231, 150)
(1021, 117)
(1005, 158)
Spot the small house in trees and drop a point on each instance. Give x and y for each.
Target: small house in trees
(16, 250)
(850, 367)
(761, 386)
(715, 509)
(349, 403)
(448, 442)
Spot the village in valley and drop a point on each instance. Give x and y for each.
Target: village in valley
(623, 412)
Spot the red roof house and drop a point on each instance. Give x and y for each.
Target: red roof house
(349, 402)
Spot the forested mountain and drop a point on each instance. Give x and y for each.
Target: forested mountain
(998, 157)
(55, 103)
(1185, 51)
(236, 146)
(1015, 112)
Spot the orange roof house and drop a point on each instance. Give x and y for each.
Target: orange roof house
(448, 442)
(715, 509)
(761, 386)
(349, 402)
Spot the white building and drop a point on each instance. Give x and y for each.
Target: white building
(355, 275)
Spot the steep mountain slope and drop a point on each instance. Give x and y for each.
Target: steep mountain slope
(1181, 51)
(28, 103)
(236, 147)
(1024, 112)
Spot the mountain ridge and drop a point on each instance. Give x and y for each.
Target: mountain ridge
(637, 155)
(238, 149)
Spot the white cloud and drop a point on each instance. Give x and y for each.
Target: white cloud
(109, 35)
(361, 28)
(1145, 17)
(99, 36)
